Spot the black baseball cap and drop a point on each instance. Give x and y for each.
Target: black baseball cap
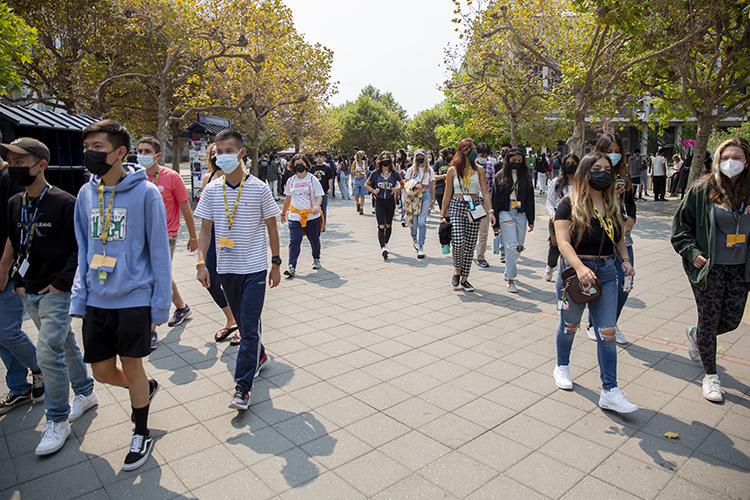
(26, 146)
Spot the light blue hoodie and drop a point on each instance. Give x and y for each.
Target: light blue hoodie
(138, 239)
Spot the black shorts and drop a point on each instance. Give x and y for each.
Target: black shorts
(116, 332)
(635, 180)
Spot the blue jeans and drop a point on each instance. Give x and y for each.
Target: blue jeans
(324, 209)
(603, 312)
(57, 351)
(246, 294)
(420, 221)
(311, 230)
(622, 297)
(513, 229)
(359, 187)
(344, 183)
(16, 349)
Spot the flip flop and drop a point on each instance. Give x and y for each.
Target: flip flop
(222, 334)
(236, 339)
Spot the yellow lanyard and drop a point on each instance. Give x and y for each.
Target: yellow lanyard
(156, 175)
(108, 217)
(467, 180)
(608, 226)
(230, 219)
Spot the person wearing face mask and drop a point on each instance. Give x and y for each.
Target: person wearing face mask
(384, 184)
(513, 201)
(462, 183)
(488, 163)
(323, 172)
(440, 168)
(304, 194)
(359, 172)
(16, 348)
(659, 175)
(558, 188)
(42, 237)
(589, 230)
(175, 196)
(241, 209)
(124, 277)
(710, 230)
(421, 172)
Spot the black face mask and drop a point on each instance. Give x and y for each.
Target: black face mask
(570, 168)
(385, 163)
(420, 160)
(600, 180)
(515, 165)
(449, 160)
(96, 162)
(299, 168)
(21, 175)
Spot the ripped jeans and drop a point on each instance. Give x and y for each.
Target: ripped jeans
(603, 313)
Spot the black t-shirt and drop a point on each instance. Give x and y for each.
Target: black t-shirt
(7, 189)
(385, 184)
(440, 168)
(592, 237)
(324, 174)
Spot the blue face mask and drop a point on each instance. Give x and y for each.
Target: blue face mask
(615, 158)
(227, 162)
(145, 160)
(472, 155)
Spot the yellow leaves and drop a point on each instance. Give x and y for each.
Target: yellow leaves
(671, 435)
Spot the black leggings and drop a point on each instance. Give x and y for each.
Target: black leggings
(553, 253)
(384, 210)
(216, 291)
(720, 309)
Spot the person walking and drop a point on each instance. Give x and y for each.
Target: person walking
(541, 166)
(440, 167)
(659, 175)
(463, 181)
(359, 171)
(384, 183)
(323, 172)
(710, 230)
(304, 194)
(343, 174)
(424, 187)
(635, 166)
(272, 175)
(589, 231)
(513, 201)
(674, 177)
(488, 163)
(558, 188)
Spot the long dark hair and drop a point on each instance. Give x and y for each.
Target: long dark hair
(602, 145)
(460, 160)
(562, 179)
(582, 211)
(506, 173)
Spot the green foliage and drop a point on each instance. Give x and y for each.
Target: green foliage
(386, 99)
(421, 130)
(17, 40)
(369, 125)
(720, 136)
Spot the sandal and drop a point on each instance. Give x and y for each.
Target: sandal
(222, 334)
(236, 339)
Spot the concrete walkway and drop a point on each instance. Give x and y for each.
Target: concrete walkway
(385, 383)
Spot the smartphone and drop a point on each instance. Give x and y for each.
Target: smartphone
(627, 284)
(622, 179)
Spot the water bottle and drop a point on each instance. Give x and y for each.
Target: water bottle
(496, 244)
(446, 249)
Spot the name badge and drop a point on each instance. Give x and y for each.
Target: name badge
(515, 204)
(735, 240)
(467, 198)
(103, 264)
(225, 244)
(23, 268)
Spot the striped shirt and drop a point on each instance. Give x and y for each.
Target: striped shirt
(250, 251)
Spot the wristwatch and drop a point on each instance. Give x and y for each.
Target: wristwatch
(276, 260)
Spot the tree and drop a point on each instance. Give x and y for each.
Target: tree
(421, 130)
(17, 40)
(717, 137)
(386, 99)
(369, 125)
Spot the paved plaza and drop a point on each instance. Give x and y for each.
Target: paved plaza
(385, 383)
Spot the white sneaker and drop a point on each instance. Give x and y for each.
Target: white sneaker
(619, 337)
(712, 388)
(316, 263)
(615, 400)
(53, 437)
(591, 332)
(512, 287)
(562, 377)
(695, 353)
(420, 252)
(80, 404)
(548, 272)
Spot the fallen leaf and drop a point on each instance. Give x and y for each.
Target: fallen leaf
(671, 435)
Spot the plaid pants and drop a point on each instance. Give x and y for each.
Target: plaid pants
(463, 235)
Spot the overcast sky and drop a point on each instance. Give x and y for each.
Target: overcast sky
(396, 45)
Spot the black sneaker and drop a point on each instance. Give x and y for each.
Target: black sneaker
(467, 286)
(13, 400)
(456, 280)
(153, 388)
(502, 258)
(357, 208)
(154, 339)
(140, 449)
(37, 387)
(180, 315)
(241, 400)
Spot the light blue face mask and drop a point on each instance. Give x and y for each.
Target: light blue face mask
(615, 158)
(145, 161)
(227, 162)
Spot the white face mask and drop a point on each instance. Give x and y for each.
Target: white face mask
(731, 168)
(227, 162)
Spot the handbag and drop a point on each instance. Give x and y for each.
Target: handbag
(577, 291)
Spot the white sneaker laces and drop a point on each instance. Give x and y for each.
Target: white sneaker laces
(136, 443)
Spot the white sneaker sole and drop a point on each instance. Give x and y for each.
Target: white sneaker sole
(605, 406)
(55, 449)
(136, 465)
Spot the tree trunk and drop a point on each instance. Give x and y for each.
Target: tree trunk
(176, 147)
(161, 117)
(575, 141)
(513, 131)
(297, 144)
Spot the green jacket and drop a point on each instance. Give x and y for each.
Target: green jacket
(693, 234)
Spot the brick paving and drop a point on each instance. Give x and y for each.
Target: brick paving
(385, 383)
